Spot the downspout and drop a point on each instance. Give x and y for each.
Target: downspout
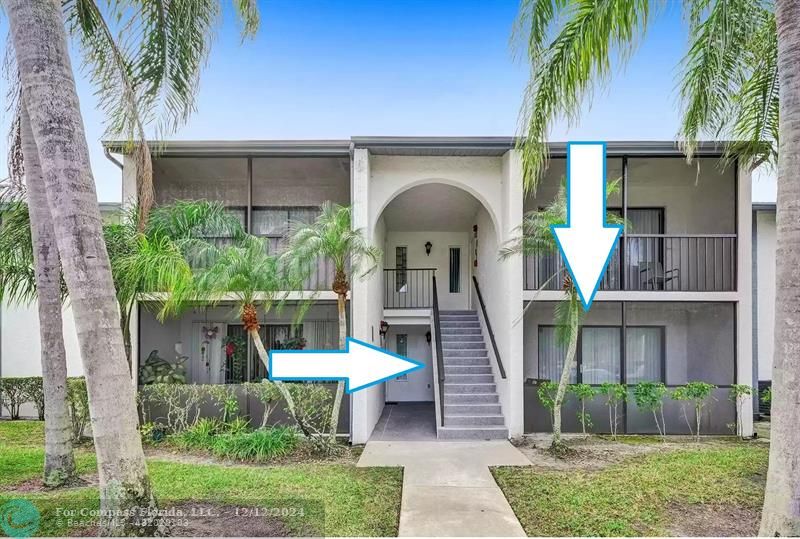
(111, 158)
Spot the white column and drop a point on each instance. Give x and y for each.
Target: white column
(513, 196)
(744, 289)
(133, 324)
(367, 404)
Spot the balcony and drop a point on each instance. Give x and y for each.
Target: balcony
(653, 262)
(410, 288)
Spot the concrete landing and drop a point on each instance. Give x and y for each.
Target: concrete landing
(447, 487)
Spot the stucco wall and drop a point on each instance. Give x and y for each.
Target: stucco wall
(765, 291)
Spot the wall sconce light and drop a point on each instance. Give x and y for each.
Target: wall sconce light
(428, 337)
(384, 328)
(428, 246)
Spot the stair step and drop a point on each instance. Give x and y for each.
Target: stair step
(466, 369)
(471, 398)
(466, 362)
(457, 313)
(448, 338)
(471, 409)
(461, 331)
(450, 388)
(473, 433)
(446, 324)
(456, 345)
(462, 420)
(468, 378)
(463, 352)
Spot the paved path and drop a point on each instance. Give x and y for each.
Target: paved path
(447, 487)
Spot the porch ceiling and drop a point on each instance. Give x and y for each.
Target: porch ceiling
(432, 207)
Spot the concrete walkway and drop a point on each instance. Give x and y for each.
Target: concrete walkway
(447, 487)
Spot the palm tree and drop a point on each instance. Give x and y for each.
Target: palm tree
(331, 238)
(252, 277)
(160, 256)
(160, 68)
(742, 55)
(535, 238)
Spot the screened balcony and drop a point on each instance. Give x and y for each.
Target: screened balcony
(680, 227)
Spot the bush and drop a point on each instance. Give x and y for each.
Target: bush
(34, 392)
(313, 404)
(696, 393)
(267, 394)
(649, 396)
(200, 435)
(583, 392)
(16, 392)
(181, 403)
(78, 402)
(258, 446)
(546, 391)
(615, 394)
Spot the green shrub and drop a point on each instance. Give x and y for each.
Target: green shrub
(267, 394)
(696, 393)
(224, 396)
(15, 391)
(34, 392)
(583, 392)
(200, 435)
(313, 404)
(238, 426)
(649, 397)
(736, 395)
(615, 394)
(766, 396)
(78, 402)
(181, 403)
(546, 391)
(258, 446)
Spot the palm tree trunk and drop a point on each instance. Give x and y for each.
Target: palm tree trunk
(341, 300)
(781, 512)
(48, 89)
(59, 463)
(569, 361)
(264, 356)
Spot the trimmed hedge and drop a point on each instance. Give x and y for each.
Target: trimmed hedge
(16, 391)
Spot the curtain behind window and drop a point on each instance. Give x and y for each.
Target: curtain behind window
(600, 355)
(643, 351)
(551, 355)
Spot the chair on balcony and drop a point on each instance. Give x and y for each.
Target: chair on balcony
(653, 277)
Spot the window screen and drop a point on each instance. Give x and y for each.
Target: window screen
(455, 270)
(273, 223)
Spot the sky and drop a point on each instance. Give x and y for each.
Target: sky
(335, 69)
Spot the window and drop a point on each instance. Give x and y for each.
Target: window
(273, 223)
(400, 264)
(402, 349)
(551, 355)
(644, 354)
(600, 354)
(455, 270)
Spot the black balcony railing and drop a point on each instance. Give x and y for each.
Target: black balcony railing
(653, 262)
(408, 288)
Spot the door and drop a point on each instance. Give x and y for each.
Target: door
(415, 386)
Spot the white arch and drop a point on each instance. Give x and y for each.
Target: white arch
(444, 181)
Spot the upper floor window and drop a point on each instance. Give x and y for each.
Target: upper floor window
(273, 223)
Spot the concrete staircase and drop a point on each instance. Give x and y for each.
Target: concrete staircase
(471, 404)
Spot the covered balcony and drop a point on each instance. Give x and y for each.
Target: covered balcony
(680, 226)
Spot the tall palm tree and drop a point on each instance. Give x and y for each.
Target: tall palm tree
(742, 56)
(331, 238)
(163, 65)
(536, 239)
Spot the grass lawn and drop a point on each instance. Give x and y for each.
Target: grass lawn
(645, 495)
(336, 499)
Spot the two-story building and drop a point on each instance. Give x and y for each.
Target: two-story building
(675, 304)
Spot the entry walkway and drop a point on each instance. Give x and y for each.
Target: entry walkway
(447, 487)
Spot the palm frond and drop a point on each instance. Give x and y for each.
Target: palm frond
(577, 60)
(17, 275)
(729, 79)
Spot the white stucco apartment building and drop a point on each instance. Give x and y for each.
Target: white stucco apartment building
(675, 305)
